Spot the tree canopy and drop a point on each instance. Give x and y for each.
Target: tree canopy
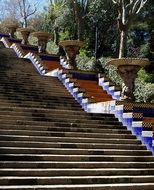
(113, 28)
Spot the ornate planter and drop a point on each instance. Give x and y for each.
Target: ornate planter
(71, 48)
(43, 38)
(11, 29)
(25, 32)
(127, 68)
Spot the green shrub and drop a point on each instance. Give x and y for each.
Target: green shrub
(144, 76)
(84, 63)
(110, 71)
(52, 48)
(143, 90)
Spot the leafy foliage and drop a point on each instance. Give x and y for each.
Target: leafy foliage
(145, 76)
(111, 71)
(143, 90)
(84, 62)
(101, 28)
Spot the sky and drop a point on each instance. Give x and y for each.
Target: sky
(42, 4)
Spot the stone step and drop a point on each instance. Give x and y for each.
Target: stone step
(8, 53)
(39, 144)
(23, 85)
(50, 121)
(71, 151)
(40, 99)
(24, 80)
(75, 172)
(67, 139)
(116, 186)
(25, 110)
(52, 93)
(39, 114)
(62, 164)
(74, 158)
(63, 180)
(14, 74)
(15, 109)
(30, 113)
(65, 129)
(34, 96)
(31, 92)
(61, 97)
(60, 125)
(66, 134)
(41, 105)
(52, 105)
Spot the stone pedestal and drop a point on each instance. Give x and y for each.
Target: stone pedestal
(25, 32)
(71, 48)
(127, 68)
(11, 29)
(43, 38)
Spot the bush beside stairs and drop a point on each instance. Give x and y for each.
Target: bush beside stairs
(47, 142)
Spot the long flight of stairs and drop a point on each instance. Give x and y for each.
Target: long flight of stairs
(47, 142)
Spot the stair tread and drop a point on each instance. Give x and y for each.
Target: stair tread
(67, 164)
(76, 133)
(47, 137)
(77, 155)
(90, 149)
(127, 186)
(60, 151)
(76, 177)
(73, 145)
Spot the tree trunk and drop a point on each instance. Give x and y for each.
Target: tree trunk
(80, 29)
(25, 23)
(56, 35)
(96, 42)
(78, 19)
(123, 44)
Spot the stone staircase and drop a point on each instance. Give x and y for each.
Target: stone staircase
(48, 142)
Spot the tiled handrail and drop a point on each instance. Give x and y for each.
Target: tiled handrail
(85, 76)
(4, 35)
(109, 86)
(19, 51)
(35, 59)
(6, 42)
(13, 40)
(82, 75)
(50, 58)
(136, 104)
(29, 47)
(136, 121)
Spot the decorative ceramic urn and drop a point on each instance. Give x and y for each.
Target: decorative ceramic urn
(11, 29)
(127, 68)
(43, 38)
(71, 48)
(25, 32)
